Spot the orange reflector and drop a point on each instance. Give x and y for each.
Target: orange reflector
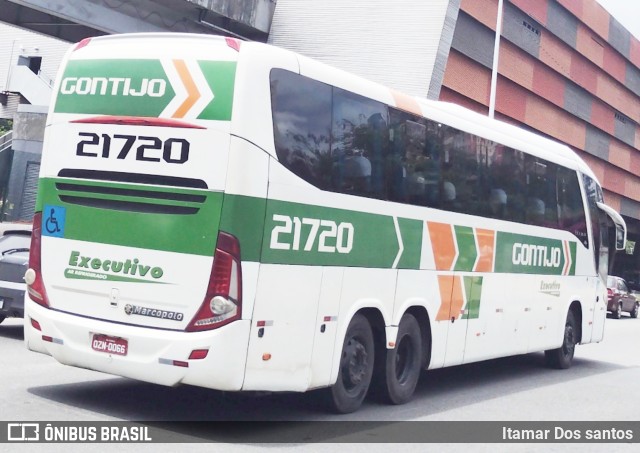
(266, 356)
(198, 354)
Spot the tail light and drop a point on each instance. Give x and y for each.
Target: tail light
(33, 277)
(609, 293)
(222, 303)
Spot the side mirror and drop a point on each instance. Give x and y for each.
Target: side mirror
(619, 223)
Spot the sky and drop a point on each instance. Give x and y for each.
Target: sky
(627, 12)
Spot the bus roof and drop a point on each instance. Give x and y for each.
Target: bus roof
(505, 133)
(445, 112)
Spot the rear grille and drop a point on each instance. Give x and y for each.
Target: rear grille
(136, 178)
(131, 198)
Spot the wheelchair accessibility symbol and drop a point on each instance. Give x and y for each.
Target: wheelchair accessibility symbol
(53, 220)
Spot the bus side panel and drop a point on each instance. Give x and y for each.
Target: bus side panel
(326, 327)
(599, 311)
(420, 288)
(243, 211)
(363, 288)
(281, 337)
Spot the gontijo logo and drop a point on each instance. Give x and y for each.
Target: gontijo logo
(165, 88)
(518, 253)
(113, 86)
(536, 255)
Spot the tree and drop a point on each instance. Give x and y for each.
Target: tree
(5, 126)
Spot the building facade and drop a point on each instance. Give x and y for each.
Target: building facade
(567, 70)
(28, 65)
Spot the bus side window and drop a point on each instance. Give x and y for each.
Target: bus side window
(598, 223)
(301, 109)
(570, 205)
(540, 189)
(360, 142)
(413, 160)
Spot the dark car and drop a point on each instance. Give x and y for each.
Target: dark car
(620, 298)
(14, 261)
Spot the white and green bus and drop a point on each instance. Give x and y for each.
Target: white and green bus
(232, 215)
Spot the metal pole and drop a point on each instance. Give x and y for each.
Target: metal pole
(494, 68)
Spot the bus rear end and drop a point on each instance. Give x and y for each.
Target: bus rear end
(129, 271)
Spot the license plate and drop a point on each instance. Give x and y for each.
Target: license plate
(110, 345)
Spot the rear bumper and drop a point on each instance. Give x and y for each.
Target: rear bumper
(151, 352)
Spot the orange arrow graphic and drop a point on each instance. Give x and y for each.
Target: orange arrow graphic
(190, 85)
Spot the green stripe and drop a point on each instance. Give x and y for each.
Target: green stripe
(243, 217)
(220, 76)
(111, 87)
(572, 251)
(473, 291)
(183, 233)
(81, 75)
(277, 232)
(411, 231)
(522, 254)
(373, 237)
(467, 252)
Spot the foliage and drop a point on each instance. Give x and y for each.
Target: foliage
(5, 126)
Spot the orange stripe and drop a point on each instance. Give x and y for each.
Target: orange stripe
(457, 298)
(451, 297)
(485, 245)
(192, 90)
(443, 245)
(406, 103)
(445, 282)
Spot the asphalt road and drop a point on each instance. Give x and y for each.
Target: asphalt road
(602, 386)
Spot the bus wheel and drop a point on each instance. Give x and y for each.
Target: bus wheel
(356, 367)
(403, 363)
(562, 357)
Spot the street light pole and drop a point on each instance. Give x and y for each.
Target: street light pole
(494, 68)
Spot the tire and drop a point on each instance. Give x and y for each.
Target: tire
(403, 363)
(634, 312)
(618, 311)
(562, 357)
(2, 318)
(356, 368)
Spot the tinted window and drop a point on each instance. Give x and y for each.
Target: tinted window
(302, 126)
(343, 142)
(360, 145)
(570, 205)
(541, 207)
